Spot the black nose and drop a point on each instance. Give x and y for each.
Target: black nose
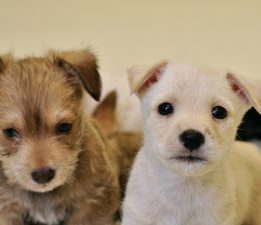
(192, 139)
(43, 175)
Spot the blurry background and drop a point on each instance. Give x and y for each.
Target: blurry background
(224, 33)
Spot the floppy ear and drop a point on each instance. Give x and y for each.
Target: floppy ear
(105, 113)
(247, 89)
(81, 65)
(141, 78)
(4, 61)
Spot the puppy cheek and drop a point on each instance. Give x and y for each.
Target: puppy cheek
(9, 170)
(211, 149)
(65, 163)
(168, 144)
(216, 146)
(165, 150)
(224, 132)
(16, 170)
(163, 134)
(8, 148)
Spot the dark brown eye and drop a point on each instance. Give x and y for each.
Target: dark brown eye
(165, 109)
(219, 112)
(11, 133)
(63, 128)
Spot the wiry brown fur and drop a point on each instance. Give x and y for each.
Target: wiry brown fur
(36, 95)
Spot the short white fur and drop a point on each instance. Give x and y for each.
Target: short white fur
(224, 188)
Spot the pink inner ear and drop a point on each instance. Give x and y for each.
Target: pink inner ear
(153, 76)
(238, 88)
(151, 80)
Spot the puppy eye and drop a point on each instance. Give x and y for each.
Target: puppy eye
(165, 109)
(219, 112)
(63, 128)
(11, 133)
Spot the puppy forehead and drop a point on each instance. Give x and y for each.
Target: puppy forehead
(35, 88)
(193, 83)
(36, 81)
(20, 117)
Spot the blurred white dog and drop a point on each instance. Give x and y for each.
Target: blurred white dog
(190, 170)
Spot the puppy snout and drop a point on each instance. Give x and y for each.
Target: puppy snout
(192, 139)
(43, 175)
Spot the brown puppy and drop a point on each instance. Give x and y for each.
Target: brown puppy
(55, 163)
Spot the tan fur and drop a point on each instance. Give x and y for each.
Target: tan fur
(126, 144)
(36, 95)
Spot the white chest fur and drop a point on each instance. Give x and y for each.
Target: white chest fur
(42, 209)
(155, 196)
(48, 215)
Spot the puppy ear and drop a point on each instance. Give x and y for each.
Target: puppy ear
(4, 61)
(247, 89)
(141, 78)
(105, 113)
(80, 65)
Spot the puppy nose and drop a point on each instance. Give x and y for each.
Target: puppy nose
(43, 175)
(192, 139)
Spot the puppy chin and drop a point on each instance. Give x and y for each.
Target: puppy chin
(184, 163)
(186, 168)
(41, 188)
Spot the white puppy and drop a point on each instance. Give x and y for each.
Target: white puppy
(190, 170)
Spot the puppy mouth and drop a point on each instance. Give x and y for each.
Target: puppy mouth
(190, 159)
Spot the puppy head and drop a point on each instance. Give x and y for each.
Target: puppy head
(41, 116)
(191, 115)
